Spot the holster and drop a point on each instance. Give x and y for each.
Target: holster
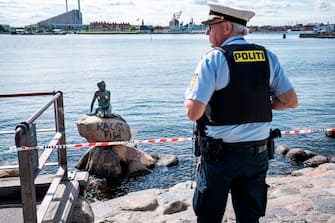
(211, 149)
(199, 133)
(271, 143)
(271, 148)
(197, 146)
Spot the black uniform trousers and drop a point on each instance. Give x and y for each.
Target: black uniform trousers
(240, 170)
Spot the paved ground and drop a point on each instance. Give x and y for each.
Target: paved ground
(11, 215)
(306, 196)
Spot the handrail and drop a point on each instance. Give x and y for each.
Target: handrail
(26, 94)
(44, 108)
(37, 130)
(30, 164)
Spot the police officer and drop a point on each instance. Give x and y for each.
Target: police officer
(232, 94)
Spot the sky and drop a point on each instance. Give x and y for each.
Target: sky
(160, 12)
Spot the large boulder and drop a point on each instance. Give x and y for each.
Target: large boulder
(96, 129)
(316, 161)
(332, 159)
(115, 161)
(330, 133)
(9, 173)
(83, 212)
(100, 161)
(282, 150)
(165, 159)
(296, 155)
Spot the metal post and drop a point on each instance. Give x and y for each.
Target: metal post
(60, 127)
(25, 135)
(28, 191)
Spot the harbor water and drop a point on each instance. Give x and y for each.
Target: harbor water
(147, 76)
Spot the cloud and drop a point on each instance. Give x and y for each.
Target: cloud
(201, 2)
(159, 12)
(265, 4)
(323, 4)
(10, 5)
(121, 3)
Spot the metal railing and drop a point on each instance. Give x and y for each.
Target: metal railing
(30, 164)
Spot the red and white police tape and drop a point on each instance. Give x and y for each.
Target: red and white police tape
(305, 131)
(91, 144)
(161, 140)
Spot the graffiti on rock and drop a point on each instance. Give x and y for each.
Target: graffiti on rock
(111, 131)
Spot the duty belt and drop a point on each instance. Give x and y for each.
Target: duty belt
(253, 146)
(214, 149)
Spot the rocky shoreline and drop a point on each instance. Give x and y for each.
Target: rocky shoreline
(306, 195)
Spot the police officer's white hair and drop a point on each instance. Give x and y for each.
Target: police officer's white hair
(239, 29)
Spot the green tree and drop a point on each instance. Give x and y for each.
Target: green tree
(132, 28)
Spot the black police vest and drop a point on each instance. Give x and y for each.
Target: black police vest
(246, 98)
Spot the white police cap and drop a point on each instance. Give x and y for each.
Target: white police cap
(219, 11)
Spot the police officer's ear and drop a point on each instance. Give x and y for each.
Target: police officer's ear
(227, 28)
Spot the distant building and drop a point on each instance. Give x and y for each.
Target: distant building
(19, 30)
(67, 21)
(145, 29)
(106, 26)
(174, 23)
(308, 27)
(175, 26)
(4, 28)
(325, 28)
(278, 28)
